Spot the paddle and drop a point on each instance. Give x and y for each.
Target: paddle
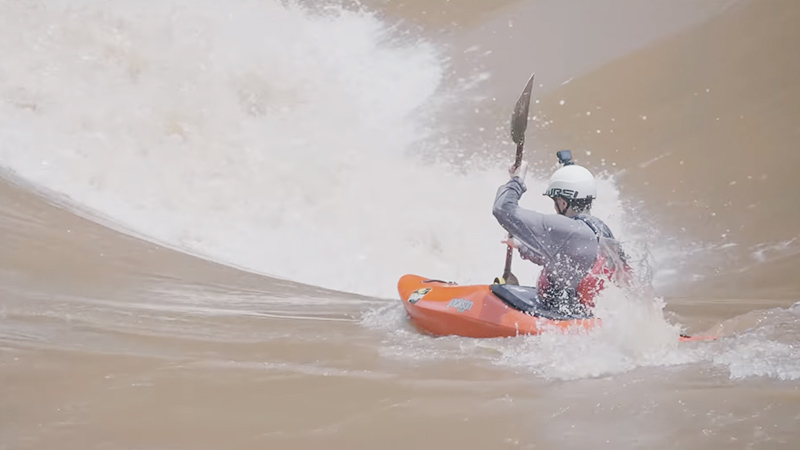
(519, 123)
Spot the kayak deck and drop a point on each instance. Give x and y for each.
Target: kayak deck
(444, 308)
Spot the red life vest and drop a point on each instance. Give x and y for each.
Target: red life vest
(605, 268)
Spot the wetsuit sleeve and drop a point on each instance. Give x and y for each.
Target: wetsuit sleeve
(526, 225)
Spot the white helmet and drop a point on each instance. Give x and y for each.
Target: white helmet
(572, 182)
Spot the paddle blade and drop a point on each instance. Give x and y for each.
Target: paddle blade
(519, 120)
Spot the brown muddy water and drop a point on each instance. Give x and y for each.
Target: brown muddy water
(205, 208)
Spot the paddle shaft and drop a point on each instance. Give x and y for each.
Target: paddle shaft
(510, 250)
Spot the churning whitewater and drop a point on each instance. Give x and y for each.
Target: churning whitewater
(341, 147)
(263, 136)
(298, 144)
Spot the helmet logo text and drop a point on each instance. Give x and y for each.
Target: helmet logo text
(568, 193)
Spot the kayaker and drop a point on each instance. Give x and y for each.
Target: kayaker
(577, 251)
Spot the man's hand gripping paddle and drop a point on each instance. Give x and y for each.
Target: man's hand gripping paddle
(519, 123)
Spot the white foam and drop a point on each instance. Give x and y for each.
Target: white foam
(634, 334)
(759, 357)
(252, 133)
(760, 343)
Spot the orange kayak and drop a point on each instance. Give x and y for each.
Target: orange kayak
(485, 311)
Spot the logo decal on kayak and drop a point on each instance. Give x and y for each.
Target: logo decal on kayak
(461, 304)
(418, 294)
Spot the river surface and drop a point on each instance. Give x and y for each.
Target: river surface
(205, 207)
